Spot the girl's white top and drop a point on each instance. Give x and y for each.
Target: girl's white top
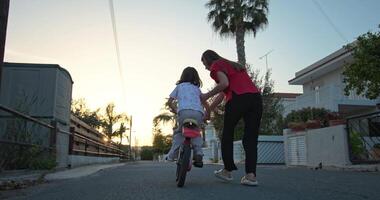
(188, 97)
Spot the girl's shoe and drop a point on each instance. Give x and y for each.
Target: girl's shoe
(169, 159)
(198, 161)
(250, 182)
(223, 174)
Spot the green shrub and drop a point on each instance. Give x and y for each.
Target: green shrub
(356, 143)
(306, 114)
(146, 153)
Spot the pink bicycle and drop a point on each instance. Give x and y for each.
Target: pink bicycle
(190, 129)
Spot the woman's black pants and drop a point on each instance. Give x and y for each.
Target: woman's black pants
(249, 107)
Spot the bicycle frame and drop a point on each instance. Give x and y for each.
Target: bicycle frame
(190, 130)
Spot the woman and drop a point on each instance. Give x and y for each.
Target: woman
(243, 100)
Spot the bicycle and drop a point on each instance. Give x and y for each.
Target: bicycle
(190, 129)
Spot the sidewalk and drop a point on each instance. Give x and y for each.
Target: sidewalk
(17, 179)
(80, 171)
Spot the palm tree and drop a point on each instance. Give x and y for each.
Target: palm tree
(236, 18)
(165, 117)
(110, 119)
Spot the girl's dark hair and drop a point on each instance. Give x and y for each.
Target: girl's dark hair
(190, 74)
(210, 56)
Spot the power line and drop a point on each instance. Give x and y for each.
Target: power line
(330, 21)
(112, 12)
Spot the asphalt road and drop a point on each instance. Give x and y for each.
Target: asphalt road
(153, 180)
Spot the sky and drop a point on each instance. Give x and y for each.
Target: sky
(159, 38)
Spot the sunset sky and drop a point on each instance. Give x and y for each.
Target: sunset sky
(159, 38)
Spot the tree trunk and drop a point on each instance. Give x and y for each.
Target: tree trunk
(240, 33)
(4, 9)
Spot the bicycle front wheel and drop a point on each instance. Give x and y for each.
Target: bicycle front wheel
(183, 165)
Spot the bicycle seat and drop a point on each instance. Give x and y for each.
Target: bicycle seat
(190, 122)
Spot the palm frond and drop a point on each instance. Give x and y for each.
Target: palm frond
(226, 16)
(163, 118)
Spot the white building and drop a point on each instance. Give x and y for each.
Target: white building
(323, 86)
(288, 100)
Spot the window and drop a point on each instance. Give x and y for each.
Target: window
(316, 92)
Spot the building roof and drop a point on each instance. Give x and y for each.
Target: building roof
(38, 65)
(286, 95)
(325, 65)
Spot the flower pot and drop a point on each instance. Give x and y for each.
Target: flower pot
(313, 124)
(336, 122)
(375, 153)
(297, 126)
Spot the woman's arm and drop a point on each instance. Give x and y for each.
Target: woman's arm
(222, 84)
(217, 101)
(213, 105)
(207, 112)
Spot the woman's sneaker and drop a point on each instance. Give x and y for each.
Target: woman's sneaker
(250, 182)
(223, 174)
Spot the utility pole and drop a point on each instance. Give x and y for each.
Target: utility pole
(266, 58)
(4, 10)
(130, 138)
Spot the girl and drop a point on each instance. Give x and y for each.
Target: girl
(185, 101)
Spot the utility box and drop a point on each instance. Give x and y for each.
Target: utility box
(42, 91)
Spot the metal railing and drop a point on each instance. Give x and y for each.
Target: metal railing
(46, 134)
(80, 144)
(16, 114)
(364, 138)
(25, 140)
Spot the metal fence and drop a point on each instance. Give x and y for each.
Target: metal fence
(364, 138)
(24, 139)
(80, 144)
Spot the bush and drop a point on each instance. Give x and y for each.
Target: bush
(306, 114)
(146, 153)
(356, 144)
(23, 157)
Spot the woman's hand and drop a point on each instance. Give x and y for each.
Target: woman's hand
(206, 116)
(204, 97)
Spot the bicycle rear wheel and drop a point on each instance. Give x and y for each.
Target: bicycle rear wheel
(183, 164)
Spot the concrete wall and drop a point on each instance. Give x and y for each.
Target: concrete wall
(328, 146)
(62, 147)
(76, 160)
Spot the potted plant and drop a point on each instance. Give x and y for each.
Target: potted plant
(313, 124)
(335, 119)
(297, 126)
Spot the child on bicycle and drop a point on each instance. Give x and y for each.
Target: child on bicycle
(186, 103)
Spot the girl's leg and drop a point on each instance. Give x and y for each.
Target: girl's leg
(198, 141)
(197, 145)
(176, 143)
(252, 120)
